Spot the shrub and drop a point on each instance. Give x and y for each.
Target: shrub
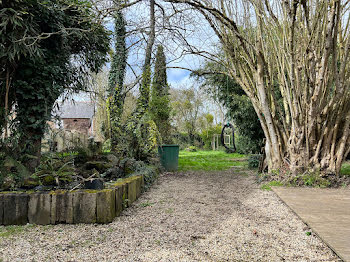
(254, 160)
(207, 135)
(150, 174)
(54, 170)
(106, 146)
(191, 149)
(311, 179)
(12, 172)
(133, 167)
(184, 141)
(245, 145)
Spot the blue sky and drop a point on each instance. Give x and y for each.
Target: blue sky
(198, 33)
(201, 35)
(177, 76)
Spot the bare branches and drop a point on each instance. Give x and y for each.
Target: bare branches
(291, 57)
(106, 8)
(218, 15)
(269, 9)
(42, 36)
(198, 72)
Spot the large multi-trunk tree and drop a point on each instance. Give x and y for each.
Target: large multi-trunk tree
(291, 57)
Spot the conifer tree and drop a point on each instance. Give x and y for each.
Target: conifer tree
(160, 103)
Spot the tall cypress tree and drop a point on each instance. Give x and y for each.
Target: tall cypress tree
(116, 81)
(160, 103)
(160, 81)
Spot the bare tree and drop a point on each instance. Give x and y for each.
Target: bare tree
(291, 57)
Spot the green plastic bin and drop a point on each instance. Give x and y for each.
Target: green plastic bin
(169, 157)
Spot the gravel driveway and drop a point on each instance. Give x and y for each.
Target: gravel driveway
(192, 216)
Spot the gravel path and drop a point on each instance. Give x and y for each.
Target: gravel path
(193, 216)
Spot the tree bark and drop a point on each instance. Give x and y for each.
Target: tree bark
(152, 36)
(6, 102)
(294, 66)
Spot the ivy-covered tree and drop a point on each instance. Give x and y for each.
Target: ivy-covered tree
(142, 134)
(70, 45)
(116, 83)
(160, 102)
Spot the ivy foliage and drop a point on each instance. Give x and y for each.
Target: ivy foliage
(143, 100)
(116, 83)
(160, 103)
(69, 44)
(138, 138)
(118, 65)
(142, 134)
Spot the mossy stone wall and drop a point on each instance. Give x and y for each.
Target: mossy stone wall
(61, 207)
(106, 206)
(15, 209)
(39, 208)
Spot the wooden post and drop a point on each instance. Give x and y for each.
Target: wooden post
(63, 140)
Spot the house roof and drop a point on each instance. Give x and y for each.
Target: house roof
(77, 110)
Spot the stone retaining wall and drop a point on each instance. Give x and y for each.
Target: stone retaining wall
(70, 207)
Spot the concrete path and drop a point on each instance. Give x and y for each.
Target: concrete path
(326, 211)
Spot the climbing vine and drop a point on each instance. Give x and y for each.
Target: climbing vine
(143, 100)
(143, 135)
(116, 83)
(138, 137)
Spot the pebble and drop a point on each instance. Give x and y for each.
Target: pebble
(192, 216)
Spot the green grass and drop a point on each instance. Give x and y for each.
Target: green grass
(270, 184)
(209, 160)
(13, 230)
(146, 204)
(345, 169)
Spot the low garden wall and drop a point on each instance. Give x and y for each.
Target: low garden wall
(70, 207)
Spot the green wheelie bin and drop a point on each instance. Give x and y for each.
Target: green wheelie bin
(169, 157)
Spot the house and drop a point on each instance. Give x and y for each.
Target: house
(78, 117)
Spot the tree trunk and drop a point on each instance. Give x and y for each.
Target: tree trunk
(151, 38)
(32, 161)
(292, 61)
(6, 113)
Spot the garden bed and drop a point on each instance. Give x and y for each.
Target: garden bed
(70, 207)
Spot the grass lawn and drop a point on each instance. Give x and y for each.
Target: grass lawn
(209, 160)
